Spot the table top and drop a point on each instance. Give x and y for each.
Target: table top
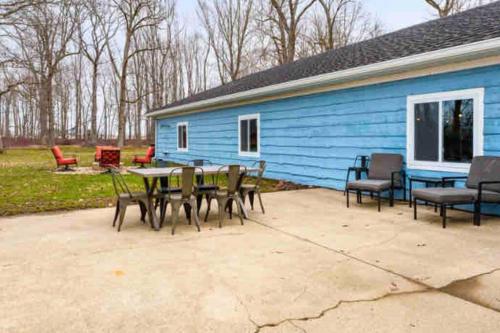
(165, 172)
(430, 179)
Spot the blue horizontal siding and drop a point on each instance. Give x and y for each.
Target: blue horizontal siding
(313, 139)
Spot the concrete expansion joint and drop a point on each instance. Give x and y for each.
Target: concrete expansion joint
(336, 306)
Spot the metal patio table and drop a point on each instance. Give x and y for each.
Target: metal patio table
(151, 176)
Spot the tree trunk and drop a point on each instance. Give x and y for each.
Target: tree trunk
(93, 114)
(123, 93)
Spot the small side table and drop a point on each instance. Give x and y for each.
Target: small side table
(429, 182)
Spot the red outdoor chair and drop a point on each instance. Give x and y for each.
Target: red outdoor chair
(150, 153)
(61, 161)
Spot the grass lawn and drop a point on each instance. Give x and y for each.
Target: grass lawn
(28, 183)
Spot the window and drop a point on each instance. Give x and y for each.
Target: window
(249, 136)
(445, 130)
(182, 136)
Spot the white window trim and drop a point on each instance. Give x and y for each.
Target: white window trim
(184, 123)
(249, 117)
(477, 95)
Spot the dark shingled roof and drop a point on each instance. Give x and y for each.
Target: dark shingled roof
(480, 23)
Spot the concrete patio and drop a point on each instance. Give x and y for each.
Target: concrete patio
(308, 264)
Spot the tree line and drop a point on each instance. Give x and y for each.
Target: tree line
(89, 70)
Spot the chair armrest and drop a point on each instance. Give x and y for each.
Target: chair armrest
(454, 178)
(480, 187)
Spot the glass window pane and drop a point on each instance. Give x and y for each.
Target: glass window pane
(179, 136)
(184, 136)
(427, 132)
(253, 135)
(244, 135)
(458, 125)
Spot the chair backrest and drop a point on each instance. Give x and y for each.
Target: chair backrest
(235, 176)
(484, 168)
(150, 153)
(58, 155)
(262, 168)
(383, 165)
(187, 175)
(119, 183)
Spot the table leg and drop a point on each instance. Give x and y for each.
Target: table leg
(150, 189)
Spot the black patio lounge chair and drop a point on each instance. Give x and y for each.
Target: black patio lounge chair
(482, 185)
(385, 174)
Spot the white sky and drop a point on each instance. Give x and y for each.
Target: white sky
(394, 14)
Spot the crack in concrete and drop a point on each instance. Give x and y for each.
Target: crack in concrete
(426, 287)
(336, 306)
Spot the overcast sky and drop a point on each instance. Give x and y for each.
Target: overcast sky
(395, 14)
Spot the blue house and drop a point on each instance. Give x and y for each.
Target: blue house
(430, 92)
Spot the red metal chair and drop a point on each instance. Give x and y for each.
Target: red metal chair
(150, 153)
(61, 161)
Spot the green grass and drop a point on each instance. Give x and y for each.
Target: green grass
(28, 183)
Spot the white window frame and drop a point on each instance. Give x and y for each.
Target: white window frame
(255, 116)
(477, 95)
(184, 123)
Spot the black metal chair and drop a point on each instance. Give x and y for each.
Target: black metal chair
(125, 198)
(183, 198)
(385, 174)
(251, 189)
(482, 185)
(201, 189)
(230, 194)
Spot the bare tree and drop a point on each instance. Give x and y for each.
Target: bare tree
(135, 15)
(282, 23)
(226, 22)
(40, 38)
(93, 40)
(449, 7)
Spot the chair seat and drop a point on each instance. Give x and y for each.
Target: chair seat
(170, 190)
(141, 160)
(369, 185)
(248, 187)
(65, 161)
(446, 195)
(205, 188)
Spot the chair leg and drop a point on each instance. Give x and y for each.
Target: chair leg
(196, 218)
(144, 210)
(117, 211)
(260, 201)
(163, 213)
(230, 208)
(391, 198)
(199, 200)
(238, 207)
(175, 214)
(123, 209)
(347, 197)
(415, 208)
(378, 200)
(443, 209)
(187, 210)
(251, 197)
(222, 204)
(477, 214)
(209, 201)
